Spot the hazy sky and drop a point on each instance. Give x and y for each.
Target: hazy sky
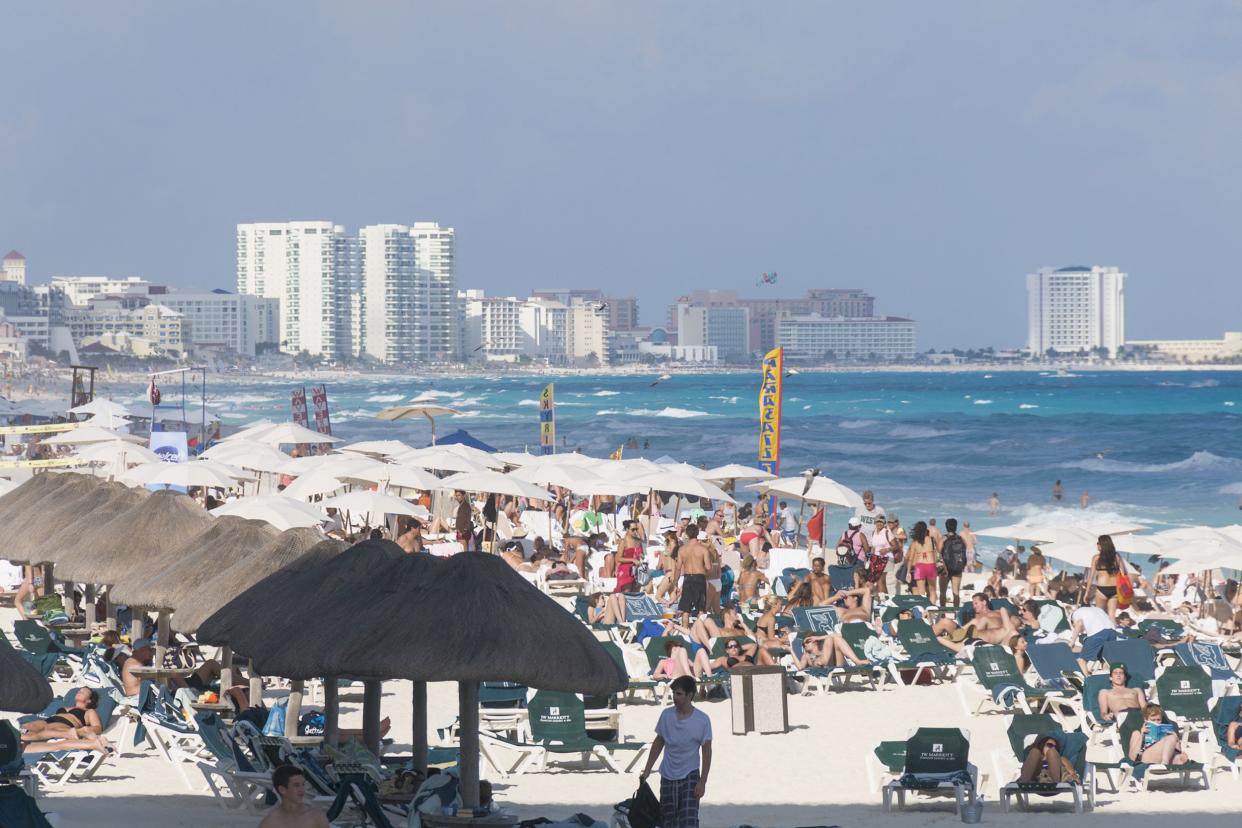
(932, 153)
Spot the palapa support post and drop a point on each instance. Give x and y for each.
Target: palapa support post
(226, 668)
(371, 692)
(331, 710)
(161, 639)
(418, 741)
(88, 599)
(256, 684)
(49, 579)
(111, 608)
(294, 711)
(468, 737)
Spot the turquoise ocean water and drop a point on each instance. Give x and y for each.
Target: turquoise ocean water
(1157, 447)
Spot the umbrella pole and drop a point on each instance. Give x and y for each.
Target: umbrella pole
(468, 739)
(801, 512)
(294, 711)
(419, 740)
(371, 714)
(256, 684)
(331, 710)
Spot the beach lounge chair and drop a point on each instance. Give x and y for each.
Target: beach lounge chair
(1052, 618)
(1055, 663)
(1022, 732)
(1138, 656)
(936, 761)
(640, 680)
(925, 655)
(842, 577)
(62, 767)
(230, 776)
(43, 664)
(1209, 656)
(1185, 693)
(38, 640)
(1139, 774)
(1225, 712)
(558, 728)
(640, 607)
(815, 619)
(821, 679)
(356, 788)
(1001, 687)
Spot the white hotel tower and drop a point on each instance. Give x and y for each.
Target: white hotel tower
(1070, 309)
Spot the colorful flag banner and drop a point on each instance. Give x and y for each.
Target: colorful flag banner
(770, 415)
(547, 421)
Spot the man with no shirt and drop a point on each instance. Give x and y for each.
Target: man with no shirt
(988, 626)
(292, 812)
(692, 565)
(820, 583)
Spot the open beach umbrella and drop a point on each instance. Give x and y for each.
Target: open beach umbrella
(223, 543)
(440, 459)
(1066, 528)
(313, 484)
(280, 511)
(370, 508)
(335, 464)
(248, 454)
(428, 410)
(134, 540)
(285, 434)
(85, 434)
(480, 458)
(117, 453)
(493, 482)
(377, 448)
(22, 689)
(1203, 544)
(681, 484)
(226, 584)
(736, 471)
(517, 458)
(102, 407)
(251, 432)
(1078, 546)
(196, 473)
(112, 422)
(821, 490)
(395, 476)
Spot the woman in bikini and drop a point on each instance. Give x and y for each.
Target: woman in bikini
(79, 721)
(1035, 566)
(677, 662)
(828, 651)
(922, 558)
(750, 581)
(1105, 567)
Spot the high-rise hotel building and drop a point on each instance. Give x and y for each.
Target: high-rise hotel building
(1073, 309)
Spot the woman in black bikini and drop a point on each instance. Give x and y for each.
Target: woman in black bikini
(79, 721)
(1103, 576)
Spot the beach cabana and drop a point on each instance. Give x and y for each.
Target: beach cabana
(22, 689)
(465, 438)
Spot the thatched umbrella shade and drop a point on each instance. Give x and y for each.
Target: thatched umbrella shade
(22, 689)
(87, 513)
(15, 503)
(226, 541)
(211, 595)
(469, 618)
(45, 512)
(136, 539)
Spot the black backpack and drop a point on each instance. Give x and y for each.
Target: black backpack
(954, 554)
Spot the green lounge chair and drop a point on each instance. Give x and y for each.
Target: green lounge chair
(936, 761)
(1185, 693)
(1136, 654)
(640, 680)
(1002, 687)
(1223, 715)
(1023, 729)
(815, 619)
(924, 653)
(558, 728)
(1139, 774)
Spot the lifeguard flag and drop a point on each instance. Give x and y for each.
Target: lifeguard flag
(815, 527)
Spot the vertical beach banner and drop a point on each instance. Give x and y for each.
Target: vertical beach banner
(547, 421)
(323, 421)
(770, 415)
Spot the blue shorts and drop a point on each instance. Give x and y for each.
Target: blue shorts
(1093, 645)
(789, 537)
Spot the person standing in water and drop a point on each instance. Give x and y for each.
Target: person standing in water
(1058, 491)
(1085, 500)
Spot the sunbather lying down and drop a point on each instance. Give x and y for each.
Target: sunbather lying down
(95, 742)
(1044, 763)
(1156, 742)
(79, 721)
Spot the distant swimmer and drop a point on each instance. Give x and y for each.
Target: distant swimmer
(661, 379)
(994, 504)
(1058, 491)
(1085, 500)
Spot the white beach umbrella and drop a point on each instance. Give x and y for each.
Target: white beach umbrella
(439, 458)
(493, 482)
(516, 458)
(314, 483)
(428, 410)
(681, 484)
(179, 474)
(337, 464)
(1078, 546)
(248, 455)
(821, 490)
(86, 434)
(101, 407)
(555, 474)
(251, 432)
(117, 452)
(278, 510)
(115, 422)
(1200, 543)
(370, 507)
(288, 434)
(378, 448)
(394, 475)
(483, 458)
(736, 471)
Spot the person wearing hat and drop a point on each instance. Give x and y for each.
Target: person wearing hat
(867, 512)
(853, 544)
(142, 651)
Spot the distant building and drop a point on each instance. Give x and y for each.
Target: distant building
(166, 329)
(12, 343)
(14, 268)
(494, 329)
(885, 338)
(80, 290)
(233, 322)
(622, 311)
(1227, 348)
(387, 298)
(1073, 309)
(435, 335)
(766, 312)
(714, 319)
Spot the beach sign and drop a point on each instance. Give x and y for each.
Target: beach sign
(547, 421)
(773, 371)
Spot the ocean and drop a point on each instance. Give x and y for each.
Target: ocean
(1159, 448)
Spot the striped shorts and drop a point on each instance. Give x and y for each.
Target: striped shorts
(679, 808)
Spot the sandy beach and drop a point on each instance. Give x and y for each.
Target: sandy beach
(813, 775)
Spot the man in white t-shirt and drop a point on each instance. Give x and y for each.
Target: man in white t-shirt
(1093, 629)
(789, 524)
(867, 513)
(683, 732)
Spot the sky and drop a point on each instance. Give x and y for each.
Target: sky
(931, 153)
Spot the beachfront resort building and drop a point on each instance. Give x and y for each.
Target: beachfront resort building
(509, 329)
(1226, 349)
(713, 318)
(388, 292)
(135, 315)
(836, 339)
(1073, 309)
(13, 269)
(622, 311)
(80, 290)
(227, 322)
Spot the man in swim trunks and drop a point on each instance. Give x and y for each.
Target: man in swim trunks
(692, 565)
(988, 626)
(1117, 698)
(820, 583)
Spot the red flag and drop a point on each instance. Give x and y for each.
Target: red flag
(815, 527)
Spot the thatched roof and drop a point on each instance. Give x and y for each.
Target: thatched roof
(14, 503)
(26, 513)
(228, 583)
(226, 541)
(87, 513)
(22, 689)
(135, 539)
(466, 618)
(59, 510)
(250, 607)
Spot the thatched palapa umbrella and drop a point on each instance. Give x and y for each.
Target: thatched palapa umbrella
(48, 511)
(469, 618)
(22, 689)
(15, 503)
